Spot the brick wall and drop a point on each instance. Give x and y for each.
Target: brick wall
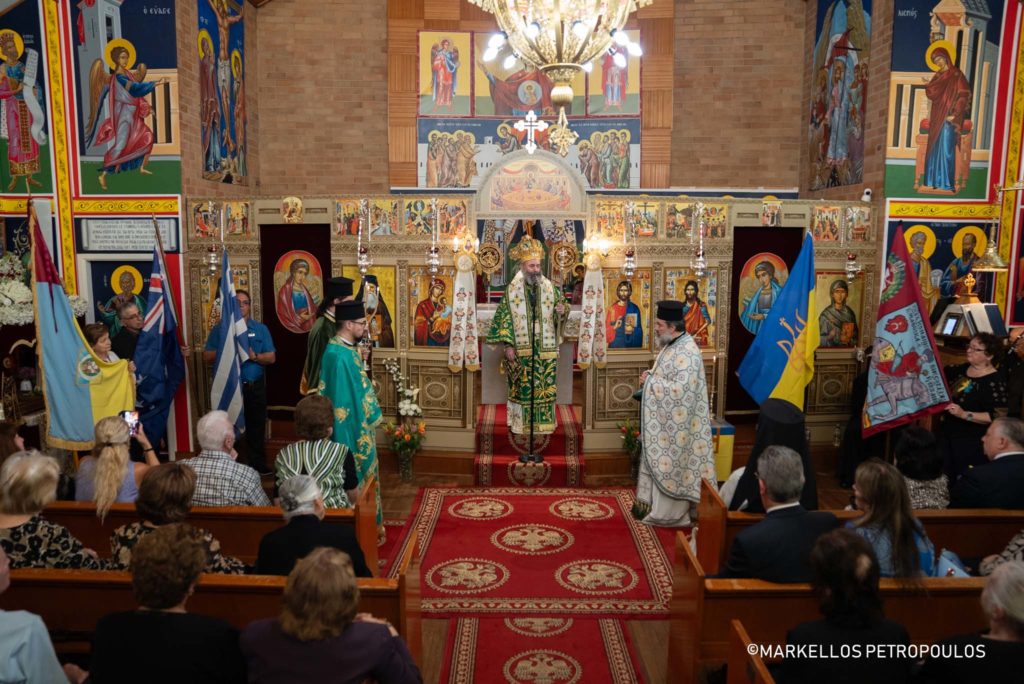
(322, 84)
(738, 86)
(192, 182)
(879, 68)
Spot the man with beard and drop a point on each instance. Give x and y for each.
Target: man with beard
(623, 327)
(338, 290)
(956, 273)
(528, 322)
(695, 314)
(675, 425)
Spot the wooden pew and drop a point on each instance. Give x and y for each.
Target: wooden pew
(71, 601)
(744, 667)
(239, 529)
(701, 611)
(970, 532)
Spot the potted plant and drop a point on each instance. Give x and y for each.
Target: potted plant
(631, 444)
(407, 432)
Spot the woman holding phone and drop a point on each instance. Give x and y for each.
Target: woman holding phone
(108, 475)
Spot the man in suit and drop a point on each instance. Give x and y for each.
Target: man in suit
(999, 483)
(777, 548)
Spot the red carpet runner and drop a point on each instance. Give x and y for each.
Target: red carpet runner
(498, 450)
(539, 649)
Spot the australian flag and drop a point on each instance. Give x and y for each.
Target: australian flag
(158, 361)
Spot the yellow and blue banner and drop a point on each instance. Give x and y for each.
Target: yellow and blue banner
(79, 388)
(780, 362)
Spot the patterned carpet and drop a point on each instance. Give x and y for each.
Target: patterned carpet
(498, 450)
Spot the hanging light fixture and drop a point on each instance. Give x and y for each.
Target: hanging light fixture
(853, 268)
(629, 262)
(700, 265)
(363, 259)
(991, 261)
(562, 38)
(434, 253)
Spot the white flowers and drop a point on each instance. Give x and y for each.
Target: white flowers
(407, 405)
(16, 303)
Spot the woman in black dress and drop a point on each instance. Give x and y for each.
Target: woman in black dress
(977, 389)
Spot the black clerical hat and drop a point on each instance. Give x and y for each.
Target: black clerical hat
(349, 311)
(372, 279)
(670, 310)
(338, 288)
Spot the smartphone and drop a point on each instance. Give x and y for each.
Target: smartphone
(132, 418)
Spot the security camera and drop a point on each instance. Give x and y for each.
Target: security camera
(866, 197)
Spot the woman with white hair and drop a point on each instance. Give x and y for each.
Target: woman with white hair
(996, 654)
(303, 506)
(108, 475)
(28, 483)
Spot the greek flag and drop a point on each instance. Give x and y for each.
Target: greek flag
(232, 352)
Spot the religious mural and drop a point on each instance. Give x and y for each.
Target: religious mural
(517, 89)
(379, 301)
(614, 85)
(299, 288)
(839, 93)
(205, 220)
(445, 69)
(761, 281)
(771, 213)
(946, 251)
(699, 296)
(125, 59)
(943, 94)
(627, 309)
(679, 220)
(346, 216)
(825, 224)
(858, 223)
(384, 217)
(24, 125)
(839, 304)
(430, 306)
(116, 283)
(221, 45)
(530, 184)
(237, 216)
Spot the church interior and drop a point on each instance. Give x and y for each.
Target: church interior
(704, 152)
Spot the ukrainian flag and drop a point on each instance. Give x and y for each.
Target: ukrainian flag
(79, 389)
(780, 362)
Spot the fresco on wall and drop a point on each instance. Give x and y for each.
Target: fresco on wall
(839, 92)
(679, 220)
(221, 45)
(699, 296)
(946, 251)
(839, 304)
(943, 94)
(627, 308)
(614, 85)
(24, 125)
(761, 281)
(454, 153)
(518, 89)
(445, 69)
(379, 301)
(114, 284)
(125, 61)
(825, 224)
(430, 306)
(858, 223)
(299, 284)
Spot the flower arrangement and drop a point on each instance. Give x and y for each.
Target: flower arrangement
(406, 434)
(631, 443)
(16, 297)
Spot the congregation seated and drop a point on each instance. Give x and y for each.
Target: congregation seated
(779, 423)
(1002, 601)
(109, 475)
(898, 539)
(319, 637)
(220, 480)
(316, 454)
(26, 653)
(918, 460)
(28, 483)
(846, 582)
(10, 441)
(161, 642)
(165, 497)
(303, 507)
(1000, 482)
(776, 549)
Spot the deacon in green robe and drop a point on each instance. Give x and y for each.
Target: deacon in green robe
(531, 302)
(356, 411)
(338, 290)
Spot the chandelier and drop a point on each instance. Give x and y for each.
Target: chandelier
(561, 37)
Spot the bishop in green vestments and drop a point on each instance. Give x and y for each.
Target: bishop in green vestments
(356, 411)
(338, 290)
(531, 302)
